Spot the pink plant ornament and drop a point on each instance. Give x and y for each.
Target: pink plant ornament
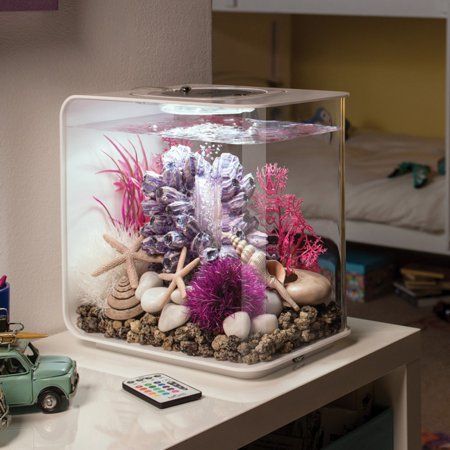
(128, 171)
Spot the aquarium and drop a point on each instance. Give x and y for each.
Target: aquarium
(204, 225)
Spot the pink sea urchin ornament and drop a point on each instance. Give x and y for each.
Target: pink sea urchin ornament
(221, 288)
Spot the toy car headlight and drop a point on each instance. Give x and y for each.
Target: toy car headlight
(73, 378)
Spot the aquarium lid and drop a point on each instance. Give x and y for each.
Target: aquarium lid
(211, 92)
(223, 95)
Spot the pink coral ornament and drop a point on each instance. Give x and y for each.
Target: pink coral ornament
(297, 246)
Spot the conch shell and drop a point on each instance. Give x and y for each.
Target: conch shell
(271, 271)
(276, 269)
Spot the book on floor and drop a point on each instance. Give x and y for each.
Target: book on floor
(420, 299)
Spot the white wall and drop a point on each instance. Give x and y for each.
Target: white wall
(87, 46)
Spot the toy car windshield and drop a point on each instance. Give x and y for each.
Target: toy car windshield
(31, 352)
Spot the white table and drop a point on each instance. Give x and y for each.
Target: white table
(232, 412)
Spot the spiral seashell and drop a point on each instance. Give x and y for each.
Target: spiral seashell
(241, 245)
(249, 254)
(122, 302)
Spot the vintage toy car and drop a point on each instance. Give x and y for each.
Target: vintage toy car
(28, 378)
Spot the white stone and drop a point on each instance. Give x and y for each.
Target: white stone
(147, 281)
(272, 303)
(153, 299)
(264, 323)
(173, 316)
(176, 297)
(238, 324)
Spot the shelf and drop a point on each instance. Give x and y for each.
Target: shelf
(233, 412)
(383, 8)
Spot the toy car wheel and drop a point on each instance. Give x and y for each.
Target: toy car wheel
(50, 401)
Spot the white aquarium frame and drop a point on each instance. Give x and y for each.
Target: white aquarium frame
(295, 358)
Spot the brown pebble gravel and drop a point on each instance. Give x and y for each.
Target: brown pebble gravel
(295, 330)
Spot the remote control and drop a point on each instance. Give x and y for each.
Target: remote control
(161, 390)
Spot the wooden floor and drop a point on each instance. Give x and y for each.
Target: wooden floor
(435, 363)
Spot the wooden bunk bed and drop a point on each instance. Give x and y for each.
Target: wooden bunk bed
(364, 231)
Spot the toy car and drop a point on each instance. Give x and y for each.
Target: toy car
(5, 418)
(28, 378)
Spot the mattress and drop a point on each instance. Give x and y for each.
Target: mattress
(370, 195)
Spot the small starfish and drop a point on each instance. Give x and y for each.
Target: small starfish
(128, 256)
(176, 279)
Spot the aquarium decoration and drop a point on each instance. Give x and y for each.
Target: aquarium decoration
(215, 263)
(192, 203)
(97, 252)
(122, 303)
(127, 256)
(292, 240)
(221, 288)
(128, 171)
(176, 280)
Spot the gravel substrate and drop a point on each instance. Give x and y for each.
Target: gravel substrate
(295, 330)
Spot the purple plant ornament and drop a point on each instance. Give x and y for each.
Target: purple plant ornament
(223, 287)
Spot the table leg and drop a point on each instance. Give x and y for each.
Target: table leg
(400, 389)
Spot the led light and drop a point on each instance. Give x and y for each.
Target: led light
(202, 110)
